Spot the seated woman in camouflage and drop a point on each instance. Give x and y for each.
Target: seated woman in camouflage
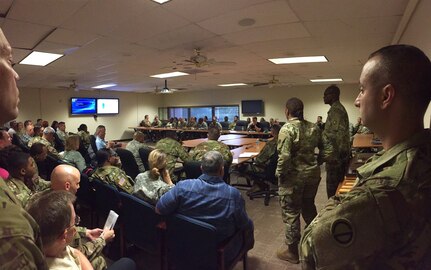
(152, 184)
(110, 174)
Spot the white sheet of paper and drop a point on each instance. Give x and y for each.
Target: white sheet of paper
(111, 220)
(235, 161)
(248, 154)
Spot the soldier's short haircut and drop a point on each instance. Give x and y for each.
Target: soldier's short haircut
(27, 122)
(408, 70)
(36, 149)
(52, 213)
(37, 129)
(213, 133)
(295, 107)
(333, 90)
(211, 162)
(102, 156)
(61, 123)
(13, 159)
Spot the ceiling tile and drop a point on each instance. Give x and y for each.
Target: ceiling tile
(24, 35)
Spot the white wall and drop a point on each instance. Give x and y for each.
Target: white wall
(274, 99)
(53, 104)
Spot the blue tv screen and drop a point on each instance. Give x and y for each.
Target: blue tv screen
(82, 106)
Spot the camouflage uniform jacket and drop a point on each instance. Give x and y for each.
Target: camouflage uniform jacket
(91, 249)
(173, 150)
(171, 125)
(114, 176)
(203, 125)
(149, 187)
(232, 125)
(20, 242)
(45, 142)
(199, 151)
(262, 160)
(85, 138)
(21, 191)
(62, 136)
(336, 132)
(145, 123)
(181, 125)
(296, 143)
(216, 125)
(156, 123)
(191, 124)
(134, 146)
(384, 222)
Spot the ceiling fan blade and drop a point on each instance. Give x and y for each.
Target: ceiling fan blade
(260, 84)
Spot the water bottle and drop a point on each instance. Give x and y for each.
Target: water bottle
(257, 143)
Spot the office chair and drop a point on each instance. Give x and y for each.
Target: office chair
(59, 145)
(128, 162)
(144, 152)
(268, 178)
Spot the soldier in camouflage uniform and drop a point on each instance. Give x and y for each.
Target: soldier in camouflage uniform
(298, 174)
(201, 124)
(146, 122)
(181, 123)
(108, 173)
(134, 146)
(46, 139)
(89, 242)
(20, 242)
(262, 160)
(173, 150)
(84, 135)
(191, 124)
(215, 123)
(212, 145)
(384, 222)
(337, 135)
(156, 122)
(233, 124)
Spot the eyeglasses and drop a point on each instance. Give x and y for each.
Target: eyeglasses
(77, 220)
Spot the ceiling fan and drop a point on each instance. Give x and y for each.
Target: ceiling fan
(200, 60)
(73, 86)
(274, 82)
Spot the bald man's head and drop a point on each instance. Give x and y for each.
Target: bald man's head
(65, 177)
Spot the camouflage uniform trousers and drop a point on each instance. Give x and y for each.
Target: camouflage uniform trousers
(296, 196)
(335, 172)
(91, 249)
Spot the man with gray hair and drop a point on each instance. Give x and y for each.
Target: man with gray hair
(209, 199)
(47, 139)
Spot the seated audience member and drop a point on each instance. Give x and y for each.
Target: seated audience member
(102, 144)
(233, 124)
(89, 242)
(152, 184)
(146, 122)
(384, 222)
(47, 139)
(134, 146)
(55, 214)
(19, 129)
(5, 139)
(262, 160)
(359, 128)
(249, 120)
(171, 123)
(61, 132)
(45, 124)
(13, 127)
(156, 122)
(54, 124)
(71, 155)
(215, 123)
(21, 168)
(39, 122)
(37, 131)
(212, 145)
(39, 153)
(254, 125)
(173, 150)
(182, 124)
(110, 174)
(209, 199)
(201, 124)
(84, 135)
(28, 133)
(192, 123)
(262, 120)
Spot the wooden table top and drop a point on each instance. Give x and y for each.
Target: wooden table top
(203, 130)
(241, 142)
(364, 141)
(193, 143)
(251, 148)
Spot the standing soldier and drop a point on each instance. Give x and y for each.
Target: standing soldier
(337, 135)
(298, 174)
(384, 222)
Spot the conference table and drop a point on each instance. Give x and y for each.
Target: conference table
(193, 143)
(232, 132)
(246, 152)
(365, 141)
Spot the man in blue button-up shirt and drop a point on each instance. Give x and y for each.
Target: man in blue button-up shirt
(208, 199)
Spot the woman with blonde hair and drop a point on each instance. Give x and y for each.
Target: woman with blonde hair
(152, 184)
(71, 155)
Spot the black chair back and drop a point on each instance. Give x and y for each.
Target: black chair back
(264, 126)
(192, 169)
(224, 125)
(128, 162)
(144, 152)
(241, 125)
(59, 145)
(93, 143)
(140, 224)
(85, 193)
(84, 152)
(17, 141)
(106, 198)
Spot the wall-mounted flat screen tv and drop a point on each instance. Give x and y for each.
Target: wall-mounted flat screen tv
(82, 106)
(108, 105)
(252, 107)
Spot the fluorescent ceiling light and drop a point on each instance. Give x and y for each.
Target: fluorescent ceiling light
(40, 58)
(232, 84)
(169, 75)
(161, 1)
(297, 60)
(104, 86)
(326, 80)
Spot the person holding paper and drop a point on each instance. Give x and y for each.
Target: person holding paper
(89, 242)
